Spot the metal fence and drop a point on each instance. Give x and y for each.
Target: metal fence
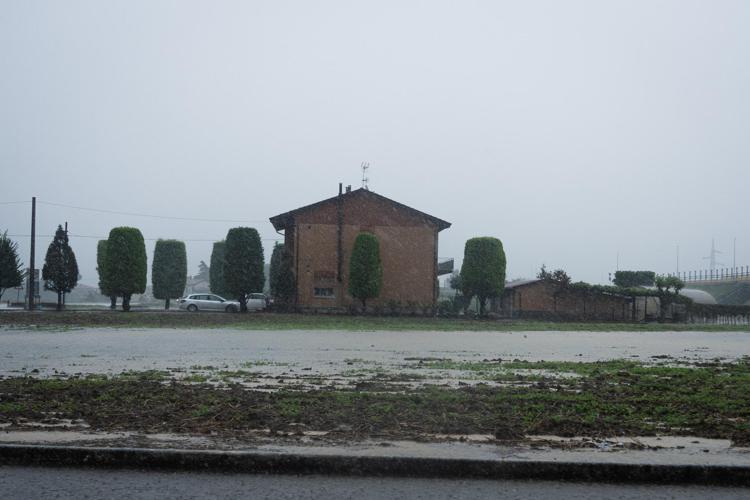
(705, 318)
(724, 274)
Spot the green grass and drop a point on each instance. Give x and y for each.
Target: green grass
(202, 411)
(268, 321)
(9, 408)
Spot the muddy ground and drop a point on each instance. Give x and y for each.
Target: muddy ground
(616, 398)
(342, 386)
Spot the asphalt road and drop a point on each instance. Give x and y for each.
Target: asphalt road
(64, 483)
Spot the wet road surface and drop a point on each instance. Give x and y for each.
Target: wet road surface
(64, 483)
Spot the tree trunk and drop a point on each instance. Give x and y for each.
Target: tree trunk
(166, 305)
(481, 300)
(126, 302)
(113, 302)
(364, 306)
(59, 301)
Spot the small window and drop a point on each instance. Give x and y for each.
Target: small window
(323, 292)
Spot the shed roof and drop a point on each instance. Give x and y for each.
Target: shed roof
(282, 221)
(519, 283)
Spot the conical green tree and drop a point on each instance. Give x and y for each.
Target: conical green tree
(243, 264)
(11, 275)
(282, 282)
(101, 268)
(60, 270)
(216, 271)
(169, 270)
(365, 269)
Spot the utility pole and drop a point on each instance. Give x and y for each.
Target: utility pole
(678, 261)
(66, 239)
(31, 257)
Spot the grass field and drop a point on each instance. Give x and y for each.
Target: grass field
(273, 321)
(616, 398)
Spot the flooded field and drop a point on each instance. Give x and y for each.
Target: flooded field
(285, 359)
(396, 385)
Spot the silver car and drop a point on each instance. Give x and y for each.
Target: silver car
(208, 302)
(212, 302)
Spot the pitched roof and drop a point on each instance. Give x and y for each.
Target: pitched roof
(281, 221)
(521, 282)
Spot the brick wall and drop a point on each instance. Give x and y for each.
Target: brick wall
(408, 250)
(546, 300)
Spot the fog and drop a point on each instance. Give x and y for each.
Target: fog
(583, 134)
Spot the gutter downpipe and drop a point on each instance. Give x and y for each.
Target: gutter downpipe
(339, 240)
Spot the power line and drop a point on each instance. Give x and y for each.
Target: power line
(152, 216)
(13, 202)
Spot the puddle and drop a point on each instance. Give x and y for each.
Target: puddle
(270, 360)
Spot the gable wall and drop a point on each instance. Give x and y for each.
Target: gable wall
(363, 210)
(408, 251)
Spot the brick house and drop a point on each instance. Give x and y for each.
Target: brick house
(320, 238)
(543, 300)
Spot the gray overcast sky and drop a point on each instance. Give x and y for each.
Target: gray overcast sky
(571, 130)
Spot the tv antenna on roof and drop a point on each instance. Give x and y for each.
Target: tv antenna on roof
(365, 165)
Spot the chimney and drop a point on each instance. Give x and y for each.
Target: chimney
(341, 185)
(349, 188)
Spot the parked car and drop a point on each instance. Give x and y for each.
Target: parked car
(208, 302)
(212, 302)
(257, 302)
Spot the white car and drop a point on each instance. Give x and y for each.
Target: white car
(208, 302)
(212, 302)
(257, 302)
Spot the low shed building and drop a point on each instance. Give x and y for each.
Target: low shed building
(542, 299)
(320, 238)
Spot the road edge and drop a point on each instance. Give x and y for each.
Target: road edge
(377, 466)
